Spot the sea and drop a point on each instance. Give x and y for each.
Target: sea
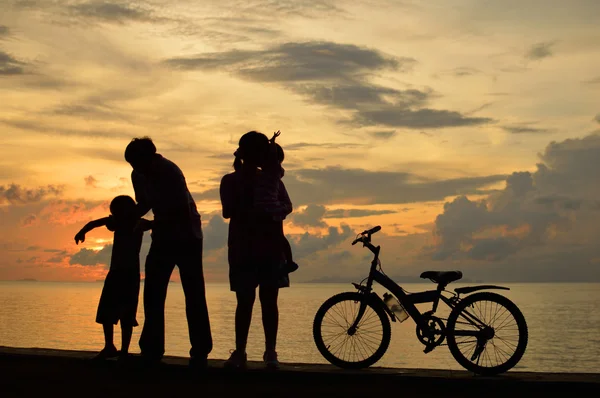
(563, 321)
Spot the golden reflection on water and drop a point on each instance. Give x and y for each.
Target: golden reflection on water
(563, 322)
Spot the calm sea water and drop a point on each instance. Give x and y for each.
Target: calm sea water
(563, 320)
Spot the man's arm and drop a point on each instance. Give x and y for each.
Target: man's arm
(141, 197)
(88, 227)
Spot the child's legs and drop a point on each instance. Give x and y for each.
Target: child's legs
(108, 335)
(270, 315)
(126, 332)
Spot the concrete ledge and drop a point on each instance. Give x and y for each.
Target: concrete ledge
(31, 371)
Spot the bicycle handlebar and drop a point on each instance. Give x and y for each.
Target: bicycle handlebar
(371, 231)
(367, 232)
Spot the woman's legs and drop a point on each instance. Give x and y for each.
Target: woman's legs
(243, 318)
(270, 316)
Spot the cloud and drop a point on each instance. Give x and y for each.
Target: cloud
(30, 220)
(323, 145)
(594, 81)
(65, 212)
(90, 181)
(89, 257)
(15, 194)
(557, 201)
(4, 31)
(597, 118)
(525, 130)
(383, 135)
(306, 245)
(215, 232)
(335, 75)
(104, 11)
(355, 213)
(337, 185)
(540, 50)
(10, 66)
(462, 71)
(311, 216)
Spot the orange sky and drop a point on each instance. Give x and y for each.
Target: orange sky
(401, 114)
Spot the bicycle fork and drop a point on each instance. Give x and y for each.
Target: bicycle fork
(361, 311)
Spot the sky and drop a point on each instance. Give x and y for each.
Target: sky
(468, 129)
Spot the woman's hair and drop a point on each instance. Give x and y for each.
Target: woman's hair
(253, 146)
(122, 206)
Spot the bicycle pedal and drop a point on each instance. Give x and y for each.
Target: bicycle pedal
(429, 348)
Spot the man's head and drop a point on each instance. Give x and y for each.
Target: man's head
(139, 153)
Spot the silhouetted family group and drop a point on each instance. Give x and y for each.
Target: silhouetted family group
(256, 202)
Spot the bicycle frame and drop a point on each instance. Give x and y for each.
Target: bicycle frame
(409, 300)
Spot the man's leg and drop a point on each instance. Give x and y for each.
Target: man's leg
(192, 281)
(159, 266)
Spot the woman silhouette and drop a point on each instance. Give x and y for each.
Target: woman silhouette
(255, 249)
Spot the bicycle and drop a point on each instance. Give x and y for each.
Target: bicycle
(488, 349)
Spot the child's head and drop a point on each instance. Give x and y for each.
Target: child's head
(122, 206)
(280, 154)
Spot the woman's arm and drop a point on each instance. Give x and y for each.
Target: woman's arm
(227, 197)
(88, 227)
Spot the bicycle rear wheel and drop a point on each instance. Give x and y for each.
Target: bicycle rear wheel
(346, 350)
(498, 333)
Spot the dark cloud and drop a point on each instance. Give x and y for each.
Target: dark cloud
(113, 12)
(17, 195)
(355, 213)
(4, 31)
(335, 75)
(296, 62)
(336, 185)
(215, 233)
(90, 257)
(525, 130)
(416, 119)
(10, 66)
(560, 196)
(306, 244)
(383, 135)
(540, 50)
(311, 216)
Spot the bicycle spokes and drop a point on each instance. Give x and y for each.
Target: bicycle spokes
(347, 342)
(487, 333)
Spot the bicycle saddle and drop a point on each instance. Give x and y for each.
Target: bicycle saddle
(442, 276)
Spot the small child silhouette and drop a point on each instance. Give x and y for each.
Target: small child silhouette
(267, 194)
(119, 299)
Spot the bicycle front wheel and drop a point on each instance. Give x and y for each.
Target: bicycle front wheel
(487, 333)
(331, 331)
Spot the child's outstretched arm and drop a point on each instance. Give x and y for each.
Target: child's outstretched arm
(88, 227)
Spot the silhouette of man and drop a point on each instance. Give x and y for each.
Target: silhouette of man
(160, 186)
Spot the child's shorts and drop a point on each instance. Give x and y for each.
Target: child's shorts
(119, 299)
